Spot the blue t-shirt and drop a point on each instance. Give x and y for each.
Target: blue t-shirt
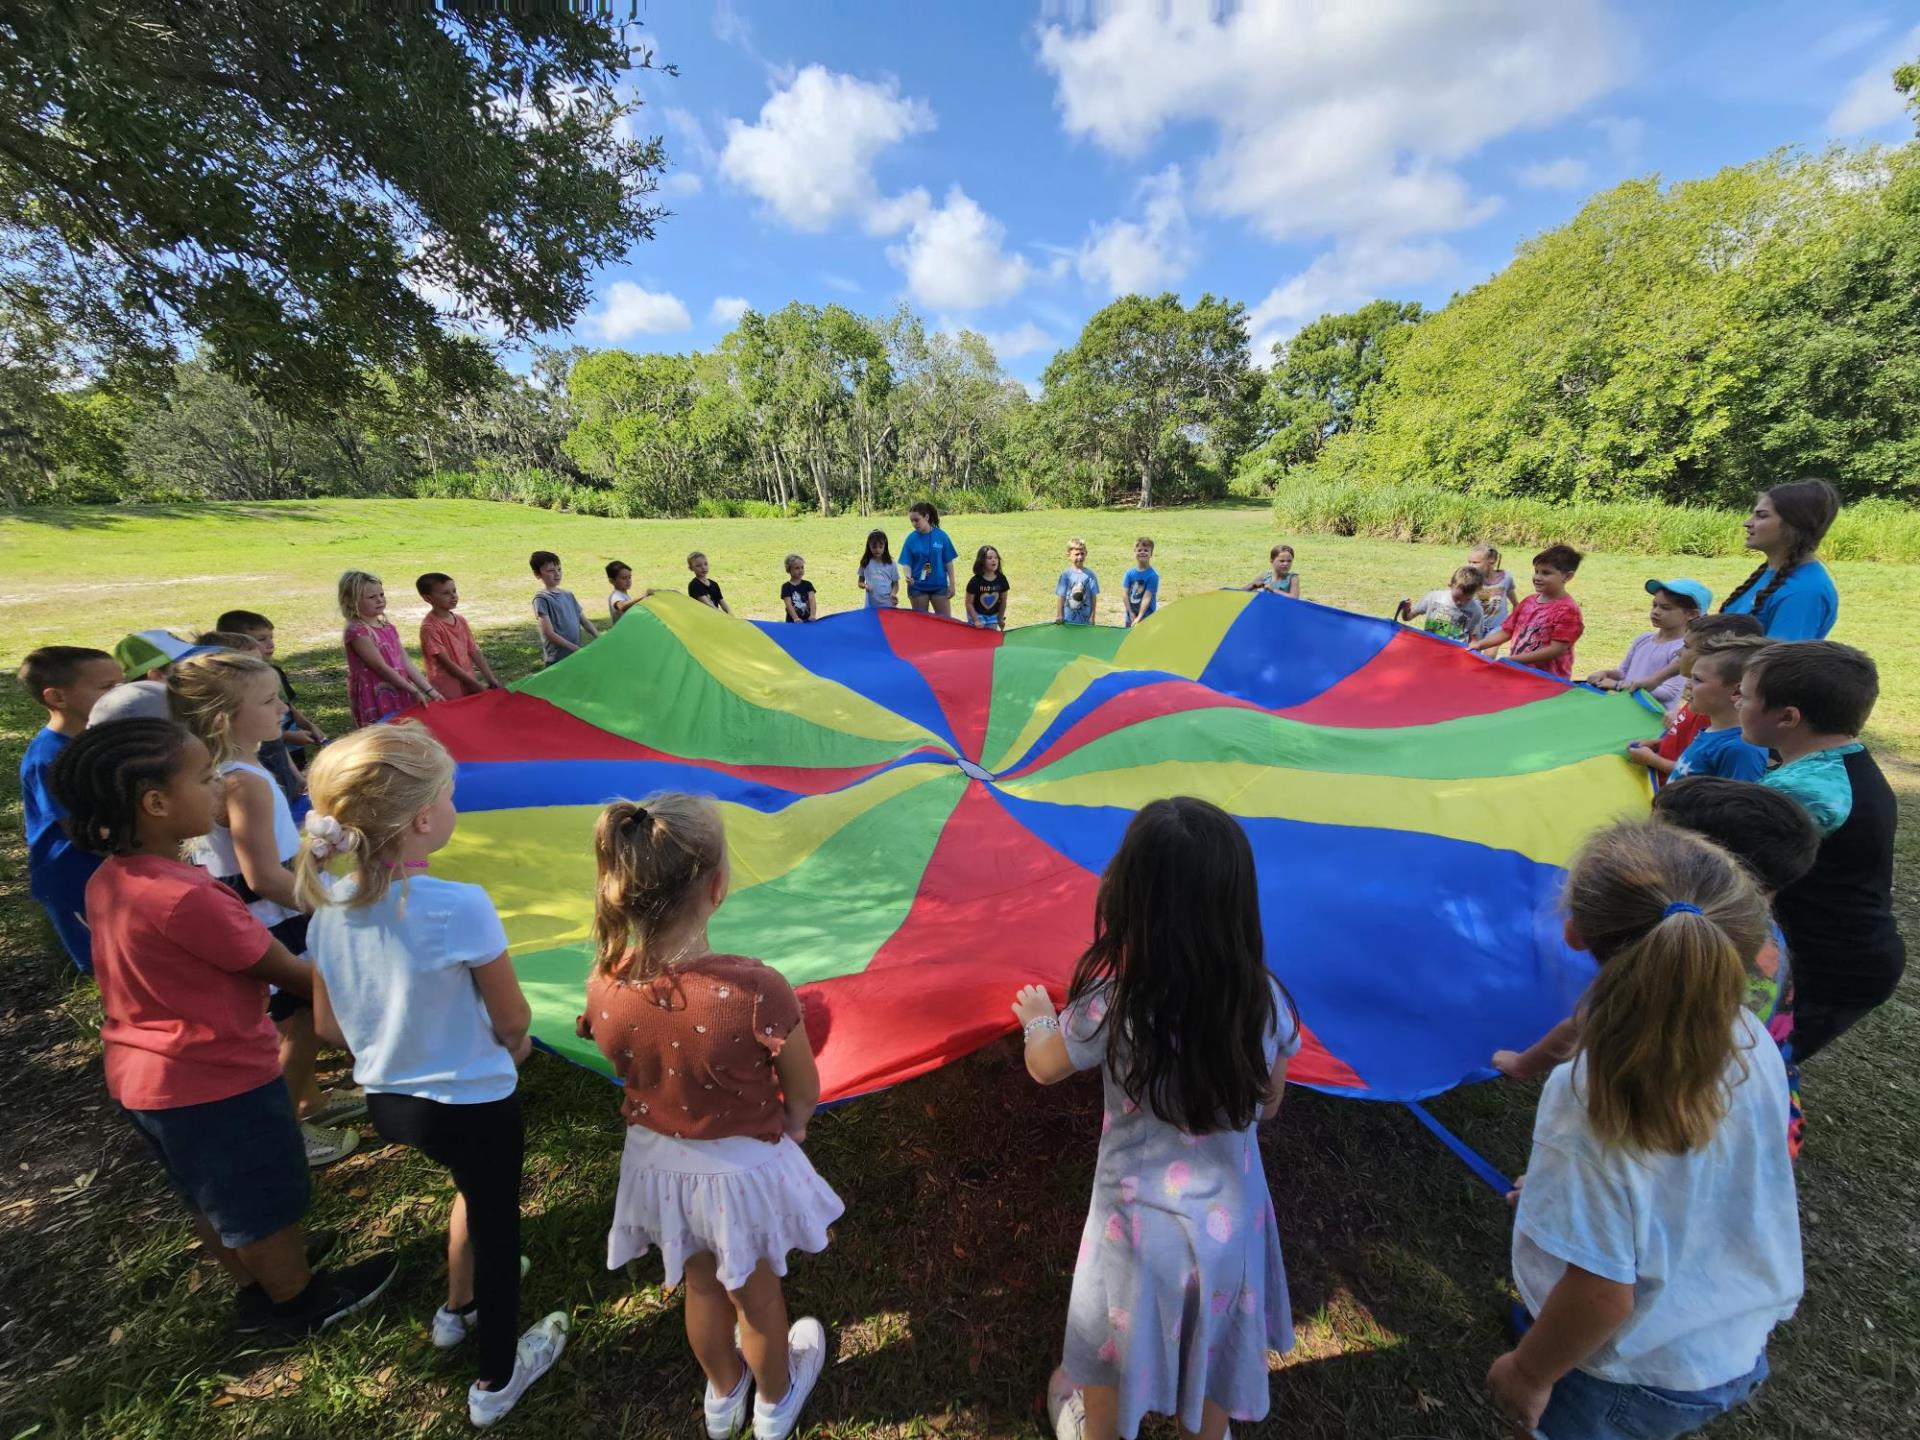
(1139, 585)
(1821, 784)
(1077, 588)
(57, 869)
(1804, 608)
(1724, 753)
(925, 559)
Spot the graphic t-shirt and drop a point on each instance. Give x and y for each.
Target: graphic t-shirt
(449, 640)
(1724, 753)
(562, 614)
(925, 559)
(707, 592)
(1682, 726)
(802, 597)
(989, 596)
(1138, 586)
(1447, 616)
(881, 578)
(1536, 622)
(1077, 588)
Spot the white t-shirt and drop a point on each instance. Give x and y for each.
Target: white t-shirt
(615, 599)
(398, 976)
(1710, 1241)
(216, 851)
(882, 580)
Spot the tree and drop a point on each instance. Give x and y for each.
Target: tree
(1148, 382)
(1321, 377)
(289, 183)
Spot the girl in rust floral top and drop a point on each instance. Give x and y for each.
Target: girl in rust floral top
(718, 1084)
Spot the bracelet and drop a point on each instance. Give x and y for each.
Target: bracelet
(1038, 1023)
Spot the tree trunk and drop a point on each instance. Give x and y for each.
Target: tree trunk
(1146, 481)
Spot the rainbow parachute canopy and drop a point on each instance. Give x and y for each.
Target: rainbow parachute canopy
(918, 814)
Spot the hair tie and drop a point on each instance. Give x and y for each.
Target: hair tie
(327, 837)
(1681, 907)
(639, 816)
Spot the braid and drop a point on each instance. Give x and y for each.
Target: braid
(1746, 585)
(100, 777)
(1779, 579)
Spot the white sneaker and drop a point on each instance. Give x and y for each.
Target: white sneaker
(806, 1358)
(538, 1349)
(450, 1327)
(1066, 1407)
(324, 1146)
(726, 1414)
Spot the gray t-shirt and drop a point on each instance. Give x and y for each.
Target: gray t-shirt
(562, 614)
(1445, 616)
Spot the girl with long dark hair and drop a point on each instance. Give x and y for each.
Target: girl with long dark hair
(1790, 593)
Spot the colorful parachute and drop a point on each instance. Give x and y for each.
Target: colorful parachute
(918, 814)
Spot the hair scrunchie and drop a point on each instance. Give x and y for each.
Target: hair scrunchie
(1678, 907)
(327, 837)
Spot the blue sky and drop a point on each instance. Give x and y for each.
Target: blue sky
(1010, 169)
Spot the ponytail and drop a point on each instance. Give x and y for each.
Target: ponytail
(652, 856)
(366, 789)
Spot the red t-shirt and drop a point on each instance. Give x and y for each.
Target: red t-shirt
(444, 640)
(1680, 732)
(1536, 622)
(184, 1026)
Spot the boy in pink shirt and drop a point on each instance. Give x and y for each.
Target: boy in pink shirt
(1544, 626)
(453, 662)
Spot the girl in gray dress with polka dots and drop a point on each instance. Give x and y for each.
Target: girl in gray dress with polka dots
(1179, 1292)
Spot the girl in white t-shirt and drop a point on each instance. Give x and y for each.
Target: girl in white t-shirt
(1656, 1241)
(879, 574)
(411, 974)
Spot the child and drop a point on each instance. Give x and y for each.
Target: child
(878, 575)
(1140, 586)
(274, 756)
(411, 974)
(1545, 626)
(232, 704)
(190, 1057)
(1651, 656)
(927, 555)
(1496, 588)
(1683, 724)
(559, 615)
(706, 591)
(381, 680)
(300, 731)
(67, 681)
(1720, 749)
(1809, 700)
(1454, 612)
(796, 592)
(1656, 1240)
(1180, 1290)
(1078, 588)
(455, 664)
(987, 591)
(719, 1084)
(1280, 580)
(619, 600)
(147, 654)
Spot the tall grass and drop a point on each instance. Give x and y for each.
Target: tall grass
(1883, 530)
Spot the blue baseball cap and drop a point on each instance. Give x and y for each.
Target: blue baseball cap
(1693, 590)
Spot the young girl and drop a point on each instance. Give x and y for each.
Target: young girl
(232, 703)
(927, 555)
(1282, 579)
(878, 575)
(719, 1084)
(987, 591)
(1656, 1241)
(1497, 592)
(1179, 1291)
(381, 680)
(411, 974)
(797, 595)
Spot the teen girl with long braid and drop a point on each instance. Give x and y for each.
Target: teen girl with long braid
(1790, 594)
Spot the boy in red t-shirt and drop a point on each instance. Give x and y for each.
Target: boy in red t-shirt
(1704, 632)
(453, 662)
(191, 1057)
(1545, 625)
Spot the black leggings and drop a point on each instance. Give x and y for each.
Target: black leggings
(482, 1147)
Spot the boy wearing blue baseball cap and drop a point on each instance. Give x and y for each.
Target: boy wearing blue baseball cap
(1675, 602)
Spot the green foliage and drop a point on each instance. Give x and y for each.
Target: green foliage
(1319, 383)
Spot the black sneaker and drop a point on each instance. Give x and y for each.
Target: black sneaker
(331, 1296)
(252, 1309)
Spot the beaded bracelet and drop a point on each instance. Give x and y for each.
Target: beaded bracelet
(1039, 1022)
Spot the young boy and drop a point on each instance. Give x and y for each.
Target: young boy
(1809, 700)
(453, 662)
(67, 681)
(149, 654)
(1649, 660)
(1454, 612)
(1280, 580)
(1078, 588)
(1721, 749)
(1546, 625)
(796, 593)
(1683, 722)
(1140, 586)
(706, 591)
(559, 614)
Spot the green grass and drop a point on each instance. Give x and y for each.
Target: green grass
(946, 1285)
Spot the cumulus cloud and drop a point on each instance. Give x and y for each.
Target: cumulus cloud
(1870, 101)
(809, 158)
(631, 310)
(1026, 338)
(1566, 173)
(1124, 256)
(1332, 119)
(727, 309)
(955, 258)
(1344, 277)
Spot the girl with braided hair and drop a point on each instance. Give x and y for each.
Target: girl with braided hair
(1791, 593)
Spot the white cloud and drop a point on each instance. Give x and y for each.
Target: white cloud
(631, 310)
(1343, 120)
(1624, 135)
(1566, 173)
(727, 309)
(1344, 277)
(1851, 37)
(810, 156)
(1870, 101)
(682, 182)
(1147, 254)
(955, 256)
(844, 284)
(693, 131)
(1026, 338)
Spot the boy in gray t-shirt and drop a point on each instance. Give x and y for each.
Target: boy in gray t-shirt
(1455, 612)
(559, 614)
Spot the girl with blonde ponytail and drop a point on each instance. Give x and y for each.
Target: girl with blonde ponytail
(411, 974)
(1656, 1241)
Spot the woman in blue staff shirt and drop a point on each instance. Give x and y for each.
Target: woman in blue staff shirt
(1791, 594)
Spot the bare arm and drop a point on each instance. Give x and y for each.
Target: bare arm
(1641, 753)
(1491, 642)
(792, 614)
(301, 723)
(1655, 680)
(280, 966)
(799, 1081)
(325, 1023)
(1538, 1058)
(1046, 1048)
(480, 660)
(507, 1008)
(593, 631)
(370, 655)
(550, 636)
(1581, 1313)
(1547, 653)
(249, 802)
(1276, 1088)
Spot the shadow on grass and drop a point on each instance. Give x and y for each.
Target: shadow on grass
(112, 517)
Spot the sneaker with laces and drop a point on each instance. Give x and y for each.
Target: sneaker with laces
(538, 1349)
(331, 1296)
(325, 1146)
(342, 1103)
(450, 1327)
(1066, 1407)
(726, 1414)
(252, 1308)
(806, 1358)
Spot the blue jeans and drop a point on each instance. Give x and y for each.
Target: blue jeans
(1586, 1408)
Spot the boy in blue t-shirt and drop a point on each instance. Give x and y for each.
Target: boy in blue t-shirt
(67, 680)
(1140, 586)
(1078, 588)
(1721, 749)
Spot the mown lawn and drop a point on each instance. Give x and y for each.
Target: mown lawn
(947, 1281)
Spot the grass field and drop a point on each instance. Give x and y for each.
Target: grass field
(946, 1285)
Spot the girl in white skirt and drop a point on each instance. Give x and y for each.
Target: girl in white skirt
(719, 1084)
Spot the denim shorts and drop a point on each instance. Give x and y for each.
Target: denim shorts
(1586, 1408)
(239, 1162)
